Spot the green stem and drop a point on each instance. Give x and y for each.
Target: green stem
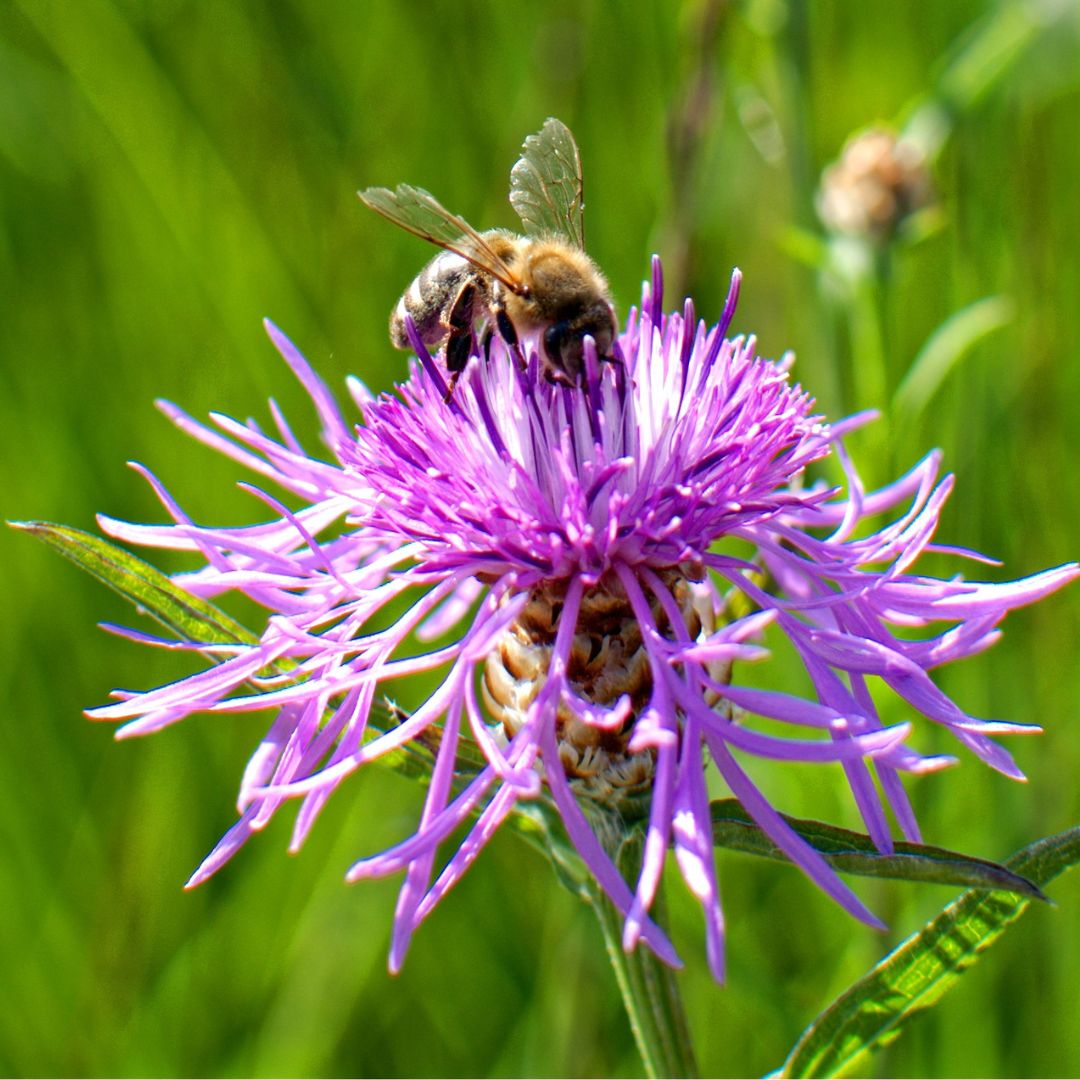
(869, 374)
(860, 271)
(649, 988)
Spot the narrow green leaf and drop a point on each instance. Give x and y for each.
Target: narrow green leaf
(916, 975)
(803, 246)
(145, 586)
(194, 619)
(855, 853)
(982, 57)
(945, 348)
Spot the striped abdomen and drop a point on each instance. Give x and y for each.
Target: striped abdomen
(430, 297)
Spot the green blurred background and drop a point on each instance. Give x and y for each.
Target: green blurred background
(170, 173)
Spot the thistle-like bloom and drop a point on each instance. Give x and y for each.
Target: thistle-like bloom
(590, 563)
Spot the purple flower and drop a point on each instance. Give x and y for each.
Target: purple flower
(598, 559)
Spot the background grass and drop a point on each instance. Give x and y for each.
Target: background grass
(170, 173)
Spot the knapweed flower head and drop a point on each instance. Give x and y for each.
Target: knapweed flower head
(580, 571)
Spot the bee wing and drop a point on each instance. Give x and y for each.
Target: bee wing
(419, 212)
(546, 189)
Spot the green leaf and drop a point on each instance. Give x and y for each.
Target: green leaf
(983, 57)
(855, 853)
(945, 348)
(916, 975)
(803, 246)
(145, 586)
(194, 619)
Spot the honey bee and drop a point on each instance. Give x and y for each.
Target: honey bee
(541, 283)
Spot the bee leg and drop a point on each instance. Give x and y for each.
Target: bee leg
(457, 356)
(485, 342)
(454, 376)
(509, 334)
(622, 372)
(457, 350)
(506, 327)
(459, 322)
(559, 378)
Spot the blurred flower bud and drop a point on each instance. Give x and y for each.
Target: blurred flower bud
(878, 181)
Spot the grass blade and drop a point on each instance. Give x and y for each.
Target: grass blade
(916, 975)
(945, 348)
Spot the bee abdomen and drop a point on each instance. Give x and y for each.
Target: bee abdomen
(431, 293)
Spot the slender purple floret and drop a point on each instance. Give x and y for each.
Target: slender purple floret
(594, 536)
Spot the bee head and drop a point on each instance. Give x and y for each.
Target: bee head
(564, 341)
